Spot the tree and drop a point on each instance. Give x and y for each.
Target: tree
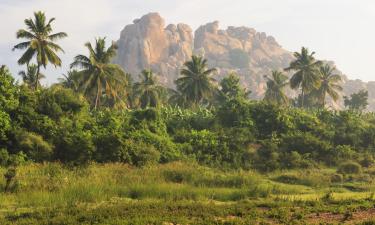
(231, 88)
(357, 101)
(30, 77)
(40, 43)
(99, 78)
(147, 91)
(275, 88)
(196, 83)
(70, 80)
(306, 74)
(329, 84)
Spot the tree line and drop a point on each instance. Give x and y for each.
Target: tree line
(97, 113)
(105, 84)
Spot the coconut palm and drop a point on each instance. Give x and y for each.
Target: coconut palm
(30, 77)
(196, 83)
(147, 91)
(275, 88)
(40, 43)
(329, 84)
(70, 80)
(306, 74)
(99, 78)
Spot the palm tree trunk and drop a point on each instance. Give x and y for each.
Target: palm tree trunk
(96, 99)
(37, 77)
(303, 98)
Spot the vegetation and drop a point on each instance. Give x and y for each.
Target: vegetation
(96, 148)
(40, 43)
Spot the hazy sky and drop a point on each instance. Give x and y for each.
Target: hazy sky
(339, 30)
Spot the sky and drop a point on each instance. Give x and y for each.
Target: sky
(342, 31)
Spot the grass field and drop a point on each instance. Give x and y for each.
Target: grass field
(183, 193)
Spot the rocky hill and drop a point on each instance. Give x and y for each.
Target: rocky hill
(149, 44)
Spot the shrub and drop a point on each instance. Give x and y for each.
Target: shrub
(287, 179)
(307, 143)
(138, 153)
(337, 178)
(57, 101)
(34, 146)
(73, 143)
(367, 161)
(5, 125)
(4, 157)
(349, 168)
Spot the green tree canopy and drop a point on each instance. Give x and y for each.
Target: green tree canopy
(329, 84)
(40, 43)
(357, 101)
(30, 77)
(275, 88)
(147, 91)
(100, 79)
(306, 74)
(196, 83)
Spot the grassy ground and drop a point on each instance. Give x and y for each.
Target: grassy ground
(182, 193)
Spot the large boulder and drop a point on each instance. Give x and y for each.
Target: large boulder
(148, 44)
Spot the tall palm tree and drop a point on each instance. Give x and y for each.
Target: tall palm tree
(31, 77)
(40, 43)
(306, 76)
(70, 80)
(99, 78)
(196, 83)
(275, 88)
(329, 84)
(147, 91)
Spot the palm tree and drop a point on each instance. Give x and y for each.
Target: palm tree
(306, 76)
(70, 80)
(196, 83)
(147, 91)
(275, 88)
(177, 99)
(99, 78)
(30, 77)
(40, 43)
(329, 84)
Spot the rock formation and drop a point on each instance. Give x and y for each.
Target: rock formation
(149, 44)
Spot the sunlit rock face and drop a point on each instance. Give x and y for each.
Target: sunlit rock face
(149, 43)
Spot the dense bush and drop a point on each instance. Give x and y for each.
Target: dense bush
(350, 168)
(56, 124)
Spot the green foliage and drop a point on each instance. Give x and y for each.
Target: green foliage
(147, 92)
(57, 102)
(8, 91)
(40, 43)
(4, 157)
(5, 124)
(350, 168)
(357, 101)
(196, 82)
(275, 89)
(99, 80)
(34, 146)
(306, 74)
(138, 154)
(73, 142)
